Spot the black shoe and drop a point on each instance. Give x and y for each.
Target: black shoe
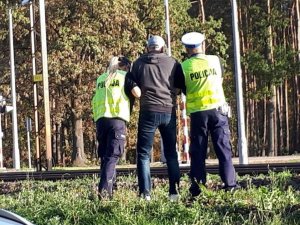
(195, 190)
(173, 189)
(231, 189)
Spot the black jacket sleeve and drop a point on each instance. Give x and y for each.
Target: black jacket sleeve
(179, 80)
(129, 85)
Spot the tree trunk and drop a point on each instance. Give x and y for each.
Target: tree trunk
(202, 18)
(286, 117)
(296, 116)
(54, 146)
(298, 28)
(58, 145)
(272, 98)
(264, 127)
(246, 82)
(297, 80)
(65, 143)
(280, 120)
(78, 155)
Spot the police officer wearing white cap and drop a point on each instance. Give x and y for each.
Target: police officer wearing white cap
(201, 82)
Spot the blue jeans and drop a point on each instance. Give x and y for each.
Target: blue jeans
(148, 123)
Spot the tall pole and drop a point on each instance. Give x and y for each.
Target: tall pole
(183, 112)
(166, 2)
(35, 91)
(28, 129)
(16, 152)
(45, 84)
(298, 27)
(242, 142)
(1, 134)
(167, 24)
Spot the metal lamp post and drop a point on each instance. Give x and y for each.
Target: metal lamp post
(1, 133)
(46, 85)
(34, 74)
(16, 151)
(242, 142)
(35, 90)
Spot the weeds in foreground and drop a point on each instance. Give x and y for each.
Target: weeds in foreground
(271, 200)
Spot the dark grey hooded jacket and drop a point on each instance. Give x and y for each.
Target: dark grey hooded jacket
(154, 74)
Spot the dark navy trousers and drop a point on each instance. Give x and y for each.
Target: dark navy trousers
(211, 122)
(111, 136)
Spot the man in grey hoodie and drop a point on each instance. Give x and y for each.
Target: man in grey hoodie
(154, 73)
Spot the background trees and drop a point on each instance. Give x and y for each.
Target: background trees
(83, 34)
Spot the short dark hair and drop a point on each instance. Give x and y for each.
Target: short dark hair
(123, 61)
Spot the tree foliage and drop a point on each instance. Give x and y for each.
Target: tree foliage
(83, 34)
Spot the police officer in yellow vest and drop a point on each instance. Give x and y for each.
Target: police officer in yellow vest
(111, 112)
(201, 82)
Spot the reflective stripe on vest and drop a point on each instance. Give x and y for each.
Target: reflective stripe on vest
(110, 100)
(203, 80)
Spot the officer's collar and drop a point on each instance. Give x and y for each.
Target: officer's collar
(196, 55)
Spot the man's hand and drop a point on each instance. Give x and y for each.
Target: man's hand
(136, 91)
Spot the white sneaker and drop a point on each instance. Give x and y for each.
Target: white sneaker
(174, 197)
(147, 197)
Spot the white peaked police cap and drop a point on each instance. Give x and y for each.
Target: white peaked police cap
(192, 39)
(156, 42)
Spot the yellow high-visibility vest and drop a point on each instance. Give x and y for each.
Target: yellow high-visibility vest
(110, 100)
(203, 80)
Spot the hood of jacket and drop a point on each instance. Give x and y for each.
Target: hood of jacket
(154, 58)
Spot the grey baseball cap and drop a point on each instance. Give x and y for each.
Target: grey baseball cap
(156, 42)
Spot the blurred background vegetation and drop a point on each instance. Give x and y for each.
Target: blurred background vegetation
(83, 34)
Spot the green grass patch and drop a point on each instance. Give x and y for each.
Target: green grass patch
(271, 199)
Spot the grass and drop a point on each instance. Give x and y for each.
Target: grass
(271, 199)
